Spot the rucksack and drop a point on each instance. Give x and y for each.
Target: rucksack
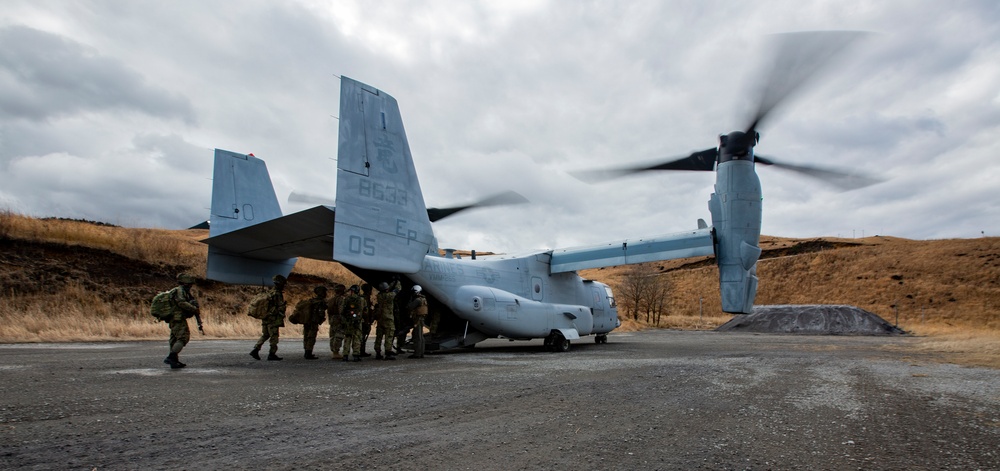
(302, 312)
(162, 307)
(259, 304)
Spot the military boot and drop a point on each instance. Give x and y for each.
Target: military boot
(378, 355)
(171, 360)
(255, 353)
(273, 355)
(309, 355)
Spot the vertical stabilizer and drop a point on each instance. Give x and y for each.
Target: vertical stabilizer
(242, 196)
(381, 221)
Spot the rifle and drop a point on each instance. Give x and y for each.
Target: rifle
(197, 316)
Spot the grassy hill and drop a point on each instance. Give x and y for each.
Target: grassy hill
(75, 280)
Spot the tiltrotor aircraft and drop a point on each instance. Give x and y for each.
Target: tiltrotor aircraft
(380, 227)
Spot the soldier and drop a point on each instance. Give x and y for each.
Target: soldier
(385, 310)
(317, 315)
(351, 315)
(368, 318)
(273, 321)
(400, 314)
(336, 323)
(184, 306)
(418, 311)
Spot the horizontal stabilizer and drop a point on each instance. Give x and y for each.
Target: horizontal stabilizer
(235, 269)
(666, 247)
(307, 233)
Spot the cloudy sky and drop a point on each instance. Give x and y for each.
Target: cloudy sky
(109, 110)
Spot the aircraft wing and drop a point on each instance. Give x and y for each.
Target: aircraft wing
(307, 233)
(629, 251)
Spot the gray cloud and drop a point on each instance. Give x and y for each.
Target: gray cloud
(45, 76)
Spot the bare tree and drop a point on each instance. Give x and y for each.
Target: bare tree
(642, 292)
(659, 294)
(634, 288)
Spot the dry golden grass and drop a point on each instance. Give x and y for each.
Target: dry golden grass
(74, 313)
(961, 345)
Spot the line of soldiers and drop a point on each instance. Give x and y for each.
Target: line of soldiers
(349, 312)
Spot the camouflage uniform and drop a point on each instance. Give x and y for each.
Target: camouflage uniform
(333, 308)
(401, 316)
(385, 310)
(351, 315)
(184, 306)
(271, 324)
(368, 318)
(418, 311)
(310, 328)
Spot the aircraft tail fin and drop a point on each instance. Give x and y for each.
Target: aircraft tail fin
(382, 221)
(242, 196)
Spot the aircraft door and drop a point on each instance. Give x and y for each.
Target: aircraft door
(598, 302)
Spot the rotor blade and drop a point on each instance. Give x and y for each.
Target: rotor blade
(703, 160)
(837, 178)
(505, 198)
(308, 198)
(798, 58)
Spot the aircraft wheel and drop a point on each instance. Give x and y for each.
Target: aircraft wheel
(602, 338)
(560, 344)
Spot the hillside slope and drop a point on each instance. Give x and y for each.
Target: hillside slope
(953, 282)
(58, 276)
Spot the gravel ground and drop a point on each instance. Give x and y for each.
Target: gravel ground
(649, 400)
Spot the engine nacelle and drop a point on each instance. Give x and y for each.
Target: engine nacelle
(497, 312)
(736, 216)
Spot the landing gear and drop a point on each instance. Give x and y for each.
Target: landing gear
(556, 342)
(601, 338)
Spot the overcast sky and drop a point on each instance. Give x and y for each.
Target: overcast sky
(109, 110)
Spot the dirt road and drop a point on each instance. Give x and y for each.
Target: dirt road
(650, 400)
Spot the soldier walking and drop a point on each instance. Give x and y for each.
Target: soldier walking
(183, 306)
(273, 321)
(418, 311)
(333, 309)
(351, 316)
(386, 328)
(317, 315)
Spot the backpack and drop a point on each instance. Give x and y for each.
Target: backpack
(302, 312)
(259, 305)
(162, 307)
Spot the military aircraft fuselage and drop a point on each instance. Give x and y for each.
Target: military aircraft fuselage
(516, 297)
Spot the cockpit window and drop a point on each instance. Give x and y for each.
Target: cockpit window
(611, 297)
